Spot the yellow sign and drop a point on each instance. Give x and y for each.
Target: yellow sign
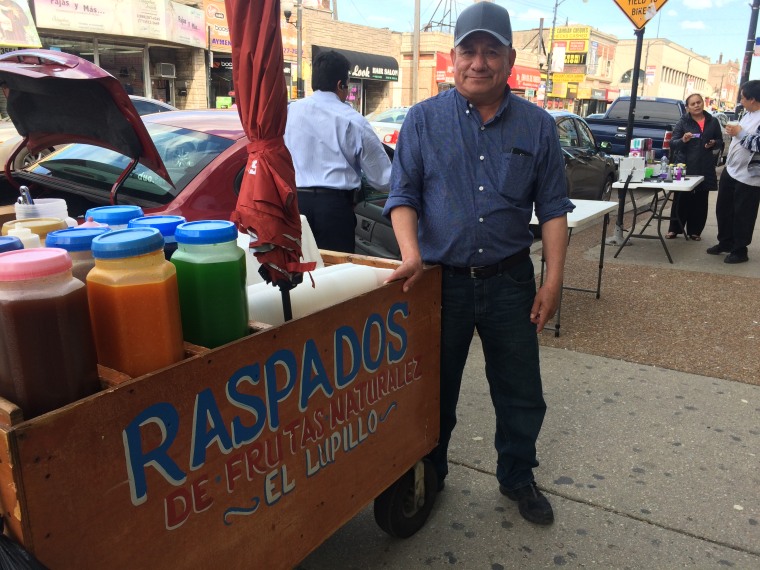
(568, 77)
(572, 33)
(639, 12)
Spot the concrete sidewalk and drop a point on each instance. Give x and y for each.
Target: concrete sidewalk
(645, 467)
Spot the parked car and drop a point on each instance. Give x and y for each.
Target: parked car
(595, 116)
(387, 124)
(589, 170)
(188, 163)
(655, 119)
(10, 139)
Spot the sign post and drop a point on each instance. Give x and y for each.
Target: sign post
(639, 15)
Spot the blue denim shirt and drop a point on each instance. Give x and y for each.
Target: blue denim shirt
(474, 185)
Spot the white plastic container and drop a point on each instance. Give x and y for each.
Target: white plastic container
(28, 238)
(45, 208)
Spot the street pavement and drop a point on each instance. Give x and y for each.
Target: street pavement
(645, 467)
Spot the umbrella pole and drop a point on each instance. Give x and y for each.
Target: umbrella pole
(287, 310)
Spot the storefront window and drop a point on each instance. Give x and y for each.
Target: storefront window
(355, 95)
(122, 61)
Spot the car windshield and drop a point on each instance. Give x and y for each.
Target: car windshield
(388, 116)
(184, 152)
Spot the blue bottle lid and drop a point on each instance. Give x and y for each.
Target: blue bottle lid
(74, 239)
(205, 232)
(127, 243)
(165, 224)
(10, 243)
(114, 215)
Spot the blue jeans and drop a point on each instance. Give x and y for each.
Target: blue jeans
(499, 308)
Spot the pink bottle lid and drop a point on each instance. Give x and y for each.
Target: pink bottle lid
(91, 223)
(33, 263)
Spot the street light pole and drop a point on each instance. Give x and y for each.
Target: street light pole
(549, 60)
(686, 79)
(299, 49)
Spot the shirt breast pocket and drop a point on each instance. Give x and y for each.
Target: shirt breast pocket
(516, 172)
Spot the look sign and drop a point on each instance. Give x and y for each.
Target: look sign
(639, 12)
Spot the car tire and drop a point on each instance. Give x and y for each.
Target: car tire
(26, 158)
(606, 192)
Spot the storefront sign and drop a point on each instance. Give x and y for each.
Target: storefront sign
(575, 59)
(584, 93)
(147, 19)
(444, 68)
(218, 28)
(523, 78)
(612, 94)
(366, 65)
(572, 33)
(577, 46)
(599, 94)
(569, 77)
(17, 26)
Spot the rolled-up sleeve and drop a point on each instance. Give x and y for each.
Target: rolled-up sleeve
(407, 171)
(551, 199)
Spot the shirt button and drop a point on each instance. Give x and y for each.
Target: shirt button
(482, 157)
(482, 127)
(480, 220)
(480, 250)
(467, 112)
(481, 188)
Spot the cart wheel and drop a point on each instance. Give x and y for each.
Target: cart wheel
(402, 509)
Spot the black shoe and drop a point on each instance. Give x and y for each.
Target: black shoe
(717, 250)
(533, 506)
(736, 258)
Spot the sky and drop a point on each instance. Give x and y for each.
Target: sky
(707, 27)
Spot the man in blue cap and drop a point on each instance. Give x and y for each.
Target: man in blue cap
(471, 165)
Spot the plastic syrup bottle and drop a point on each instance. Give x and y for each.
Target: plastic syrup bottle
(164, 224)
(211, 278)
(134, 304)
(78, 242)
(47, 351)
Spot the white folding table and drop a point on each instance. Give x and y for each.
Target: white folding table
(663, 191)
(586, 213)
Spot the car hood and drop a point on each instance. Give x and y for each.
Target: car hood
(56, 98)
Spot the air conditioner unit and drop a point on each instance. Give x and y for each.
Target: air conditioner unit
(167, 70)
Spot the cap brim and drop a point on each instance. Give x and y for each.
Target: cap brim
(502, 39)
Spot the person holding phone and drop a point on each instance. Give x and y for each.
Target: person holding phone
(695, 138)
(331, 145)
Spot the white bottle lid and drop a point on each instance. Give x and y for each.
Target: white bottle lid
(27, 237)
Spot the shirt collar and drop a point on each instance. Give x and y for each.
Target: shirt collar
(464, 105)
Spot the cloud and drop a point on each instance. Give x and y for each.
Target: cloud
(692, 25)
(671, 13)
(700, 4)
(532, 15)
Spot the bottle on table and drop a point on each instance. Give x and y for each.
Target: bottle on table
(165, 224)
(47, 351)
(10, 243)
(78, 242)
(211, 276)
(134, 303)
(115, 217)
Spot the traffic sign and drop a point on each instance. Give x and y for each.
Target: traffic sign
(639, 12)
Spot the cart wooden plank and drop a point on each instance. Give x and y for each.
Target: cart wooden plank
(247, 456)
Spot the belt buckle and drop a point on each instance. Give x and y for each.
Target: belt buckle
(475, 272)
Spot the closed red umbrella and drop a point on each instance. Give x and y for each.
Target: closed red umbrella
(267, 208)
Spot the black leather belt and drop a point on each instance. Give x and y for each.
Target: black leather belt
(486, 271)
(319, 190)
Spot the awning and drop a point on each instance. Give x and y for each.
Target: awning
(523, 78)
(365, 65)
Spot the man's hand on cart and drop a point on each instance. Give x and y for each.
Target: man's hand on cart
(410, 271)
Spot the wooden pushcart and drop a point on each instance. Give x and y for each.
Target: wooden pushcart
(245, 456)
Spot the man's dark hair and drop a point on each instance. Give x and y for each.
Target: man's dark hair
(751, 90)
(327, 69)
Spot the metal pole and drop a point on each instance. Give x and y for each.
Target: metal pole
(618, 238)
(549, 61)
(299, 55)
(750, 48)
(416, 52)
(686, 79)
